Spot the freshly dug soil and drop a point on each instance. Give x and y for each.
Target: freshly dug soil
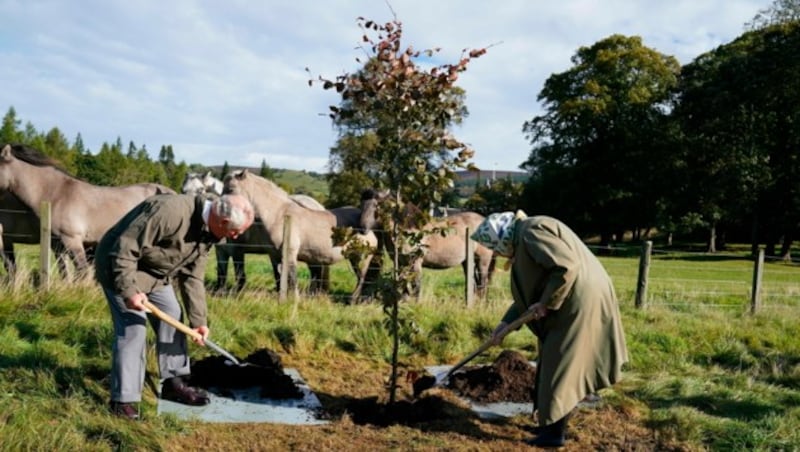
(264, 370)
(509, 379)
(431, 408)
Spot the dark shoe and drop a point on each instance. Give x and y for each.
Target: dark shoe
(553, 435)
(176, 390)
(546, 440)
(125, 410)
(534, 429)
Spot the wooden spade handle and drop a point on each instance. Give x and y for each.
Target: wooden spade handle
(163, 316)
(524, 318)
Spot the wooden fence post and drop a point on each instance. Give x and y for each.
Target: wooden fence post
(644, 270)
(469, 272)
(287, 227)
(44, 252)
(758, 272)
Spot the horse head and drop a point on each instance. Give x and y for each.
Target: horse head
(370, 199)
(212, 184)
(192, 184)
(234, 182)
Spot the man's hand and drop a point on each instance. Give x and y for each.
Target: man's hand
(135, 302)
(202, 331)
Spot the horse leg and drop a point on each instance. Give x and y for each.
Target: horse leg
(7, 254)
(320, 277)
(291, 269)
(360, 269)
(75, 247)
(315, 273)
(416, 291)
(222, 266)
(62, 255)
(488, 274)
(276, 270)
(238, 268)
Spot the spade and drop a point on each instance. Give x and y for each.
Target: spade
(429, 381)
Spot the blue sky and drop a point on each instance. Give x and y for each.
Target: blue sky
(226, 81)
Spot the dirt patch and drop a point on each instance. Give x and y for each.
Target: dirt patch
(510, 378)
(433, 406)
(264, 370)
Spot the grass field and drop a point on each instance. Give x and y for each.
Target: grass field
(704, 373)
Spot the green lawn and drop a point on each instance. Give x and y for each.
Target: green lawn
(704, 373)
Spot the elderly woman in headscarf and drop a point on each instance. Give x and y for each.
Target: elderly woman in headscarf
(577, 320)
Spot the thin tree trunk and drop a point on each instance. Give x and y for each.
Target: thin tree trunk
(712, 239)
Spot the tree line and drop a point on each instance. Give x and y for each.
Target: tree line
(631, 142)
(113, 164)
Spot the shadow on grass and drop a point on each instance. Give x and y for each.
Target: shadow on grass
(727, 407)
(703, 257)
(67, 380)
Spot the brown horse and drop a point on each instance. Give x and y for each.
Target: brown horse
(80, 212)
(440, 251)
(311, 230)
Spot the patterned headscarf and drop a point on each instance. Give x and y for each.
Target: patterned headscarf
(496, 232)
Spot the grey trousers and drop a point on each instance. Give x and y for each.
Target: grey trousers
(130, 344)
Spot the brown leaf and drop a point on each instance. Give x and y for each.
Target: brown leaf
(476, 53)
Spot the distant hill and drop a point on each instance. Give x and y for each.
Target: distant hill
(294, 181)
(465, 184)
(467, 176)
(315, 185)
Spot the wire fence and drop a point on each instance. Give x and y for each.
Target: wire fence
(674, 278)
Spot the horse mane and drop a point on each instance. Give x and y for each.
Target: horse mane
(33, 156)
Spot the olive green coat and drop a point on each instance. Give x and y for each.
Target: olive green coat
(161, 239)
(581, 342)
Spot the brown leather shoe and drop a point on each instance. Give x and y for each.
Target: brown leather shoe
(125, 410)
(176, 390)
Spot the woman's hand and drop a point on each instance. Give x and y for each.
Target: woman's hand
(497, 337)
(539, 310)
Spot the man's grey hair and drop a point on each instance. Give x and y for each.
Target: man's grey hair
(236, 209)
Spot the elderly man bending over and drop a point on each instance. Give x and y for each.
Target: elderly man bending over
(164, 239)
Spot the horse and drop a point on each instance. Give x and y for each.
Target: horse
(196, 183)
(311, 230)
(439, 251)
(80, 212)
(252, 241)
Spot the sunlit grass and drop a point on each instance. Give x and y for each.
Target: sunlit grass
(703, 370)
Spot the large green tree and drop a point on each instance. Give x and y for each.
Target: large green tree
(739, 110)
(603, 138)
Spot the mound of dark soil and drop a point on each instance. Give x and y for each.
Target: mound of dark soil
(509, 379)
(263, 370)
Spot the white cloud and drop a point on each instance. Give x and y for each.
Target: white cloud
(225, 81)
